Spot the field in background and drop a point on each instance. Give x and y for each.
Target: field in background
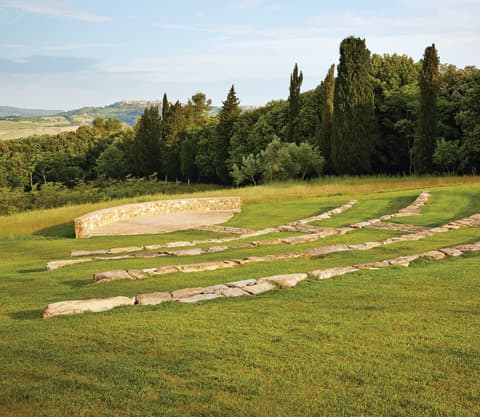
(49, 125)
(394, 342)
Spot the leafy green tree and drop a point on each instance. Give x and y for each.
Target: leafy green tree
(308, 158)
(196, 111)
(395, 80)
(324, 127)
(283, 161)
(447, 155)
(427, 129)
(205, 157)
(353, 129)
(112, 163)
(469, 120)
(250, 169)
(226, 121)
(147, 143)
(296, 80)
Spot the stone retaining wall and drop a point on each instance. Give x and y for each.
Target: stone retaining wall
(89, 223)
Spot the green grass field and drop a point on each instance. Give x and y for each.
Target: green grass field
(389, 342)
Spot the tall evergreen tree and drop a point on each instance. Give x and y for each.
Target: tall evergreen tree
(227, 118)
(427, 128)
(353, 129)
(296, 80)
(165, 106)
(324, 129)
(147, 143)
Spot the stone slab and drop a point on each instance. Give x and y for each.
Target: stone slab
(94, 305)
(153, 298)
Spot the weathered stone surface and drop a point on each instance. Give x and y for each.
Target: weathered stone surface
(199, 297)
(340, 231)
(451, 252)
(125, 250)
(113, 258)
(81, 306)
(403, 260)
(82, 252)
(185, 252)
(65, 262)
(186, 292)
(233, 292)
(440, 229)
(153, 247)
(215, 249)
(295, 240)
(332, 272)
(267, 242)
(224, 229)
(111, 276)
(398, 227)
(214, 289)
(153, 298)
(206, 266)
(285, 281)
(469, 247)
(283, 256)
(249, 260)
(163, 270)
(433, 255)
(178, 244)
(365, 246)
(241, 284)
(372, 265)
(149, 255)
(259, 288)
(243, 245)
(136, 274)
(328, 249)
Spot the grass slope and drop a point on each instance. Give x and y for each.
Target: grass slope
(395, 342)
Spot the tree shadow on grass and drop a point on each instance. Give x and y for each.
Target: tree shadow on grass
(65, 230)
(78, 283)
(26, 315)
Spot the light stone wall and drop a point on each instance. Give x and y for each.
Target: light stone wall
(89, 223)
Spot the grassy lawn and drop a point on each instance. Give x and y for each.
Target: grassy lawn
(389, 342)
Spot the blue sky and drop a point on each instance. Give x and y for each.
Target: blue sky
(71, 53)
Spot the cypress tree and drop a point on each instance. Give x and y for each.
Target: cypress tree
(353, 125)
(324, 131)
(427, 126)
(165, 106)
(227, 118)
(296, 80)
(147, 142)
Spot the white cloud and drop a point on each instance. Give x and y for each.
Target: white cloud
(54, 9)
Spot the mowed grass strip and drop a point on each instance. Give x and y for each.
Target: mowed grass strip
(391, 342)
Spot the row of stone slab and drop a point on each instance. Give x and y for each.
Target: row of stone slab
(242, 234)
(248, 287)
(295, 226)
(136, 274)
(315, 233)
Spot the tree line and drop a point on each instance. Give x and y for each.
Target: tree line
(372, 114)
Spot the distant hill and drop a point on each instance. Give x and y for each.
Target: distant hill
(127, 111)
(7, 111)
(19, 123)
